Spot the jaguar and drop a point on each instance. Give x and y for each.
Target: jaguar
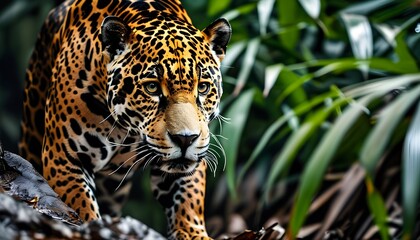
(113, 85)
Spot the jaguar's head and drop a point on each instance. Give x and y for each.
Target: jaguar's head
(165, 84)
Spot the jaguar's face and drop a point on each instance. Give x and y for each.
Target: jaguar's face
(164, 84)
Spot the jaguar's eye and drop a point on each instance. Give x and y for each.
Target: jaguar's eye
(152, 88)
(203, 88)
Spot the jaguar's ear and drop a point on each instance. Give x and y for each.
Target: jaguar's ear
(218, 34)
(114, 35)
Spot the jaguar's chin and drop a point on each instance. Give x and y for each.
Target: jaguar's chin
(179, 166)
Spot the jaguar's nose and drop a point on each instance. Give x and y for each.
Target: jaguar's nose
(183, 141)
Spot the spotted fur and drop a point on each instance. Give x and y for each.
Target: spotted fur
(113, 85)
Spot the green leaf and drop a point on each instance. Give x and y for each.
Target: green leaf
(293, 87)
(263, 142)
(360, 35)
(216, 6)
(238, 113)
(274, 127)
(265, 7)
(336, 67)
(311, 7)
(241, 10)
(396, 36)
(392, 66)
(366, 7)
(388, 32)
(411, 175)
(232, 54)
(377, 208)
(392, 10)
(297, 140)
(319, 161)
(247, 64)
(288, 17)
(404, 54)
(376, 142)
(278, 77)
(374, 63)
(271, 74)
(383, 85)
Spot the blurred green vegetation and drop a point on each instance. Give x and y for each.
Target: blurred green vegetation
(20, 21)
(323, 86)
(314, 89)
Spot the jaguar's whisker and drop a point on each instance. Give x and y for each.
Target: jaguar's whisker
(122, 142)
(135, 155)
(220, 124)
(110, 132)
(149, 161)
(215, 151)
(219, 136)
(226, 66)
(105, 119)
(212, 163)
(214, 166)
(224, 119)
(147, 156)
(220, 146)
(163, 176)
(124, 145)
(138, 148)
(128, 132)
(214, 158)
(214, 155)
(209, 163)
(126, 174)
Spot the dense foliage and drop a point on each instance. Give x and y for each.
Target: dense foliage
(321, 86)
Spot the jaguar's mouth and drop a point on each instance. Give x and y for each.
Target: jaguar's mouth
(179, 165)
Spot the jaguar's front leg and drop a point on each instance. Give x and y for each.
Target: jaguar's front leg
(113, 182)
(70, 178)
(183, 200)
